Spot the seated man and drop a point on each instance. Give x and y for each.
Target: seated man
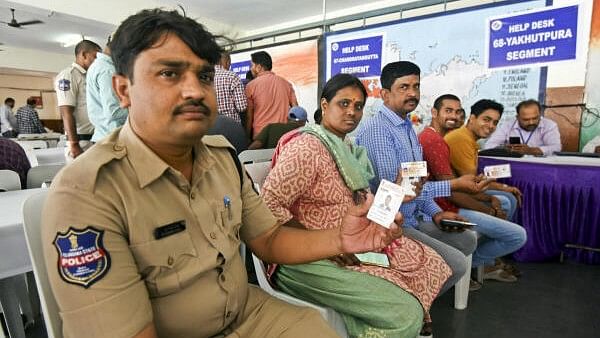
(144, 230)
(271, 134)
(232, 130)
(13, 157)
(501, 237)
(28, 119)
(485, 115)
(390, 141)
(537, 135)
(8, 122)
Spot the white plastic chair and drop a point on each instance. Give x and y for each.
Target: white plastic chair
(32, 219)
(33, 144)
(9, 180)
(42, 173)
(461, 288)
(331, 316)
(258, 171)
(256, 155)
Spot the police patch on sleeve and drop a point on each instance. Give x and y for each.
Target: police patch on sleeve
(82, 258)
(64, 85)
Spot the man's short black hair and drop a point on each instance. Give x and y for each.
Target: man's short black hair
(482, 105)
(397, 69)
(262, 58)
(9, 99)
(86, 46)
(530, 102)
(31, 101)
(143, 30)
(437, 104)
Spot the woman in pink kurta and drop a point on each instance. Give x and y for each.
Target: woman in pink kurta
(307, 184)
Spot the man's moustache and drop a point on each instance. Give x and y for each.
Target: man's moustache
(193, 103)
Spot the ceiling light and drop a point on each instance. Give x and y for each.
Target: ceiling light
(70, 40)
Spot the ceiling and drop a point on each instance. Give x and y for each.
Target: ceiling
(97, 19)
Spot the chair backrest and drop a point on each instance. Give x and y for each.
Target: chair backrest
(42, 173)
(9, 180)
(34, 144)
(32, 221)
(331, 316)
(258, 171)
(256, 155)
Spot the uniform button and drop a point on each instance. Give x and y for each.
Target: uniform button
(222, 277)
(117, 147)
(192, 195)
(213, 235)
(228, 314)
(170, 260)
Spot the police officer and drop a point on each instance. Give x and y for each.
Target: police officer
(70, 91)
(143, 231)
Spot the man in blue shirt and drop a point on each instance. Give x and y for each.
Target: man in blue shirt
(104, 110)
(390, 140)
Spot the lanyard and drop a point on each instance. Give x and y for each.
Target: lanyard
(530, 134)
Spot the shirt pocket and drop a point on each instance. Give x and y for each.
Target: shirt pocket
(161, 262)
(229, 221)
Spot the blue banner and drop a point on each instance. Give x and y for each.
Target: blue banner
(241, 68)
(359, 57)
(533, 38)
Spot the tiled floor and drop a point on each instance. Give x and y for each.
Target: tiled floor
(550, 300)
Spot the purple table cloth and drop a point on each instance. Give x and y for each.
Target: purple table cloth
(561, 205)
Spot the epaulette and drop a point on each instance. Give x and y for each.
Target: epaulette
(217, 141)
(83, 172)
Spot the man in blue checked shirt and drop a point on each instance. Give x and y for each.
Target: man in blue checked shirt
(390, 140)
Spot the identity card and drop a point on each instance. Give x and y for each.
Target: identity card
(411, 172)
(497, 171)
(374, 258)
(386, 204)
(414, 169)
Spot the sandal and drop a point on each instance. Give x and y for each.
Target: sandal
(426, 330)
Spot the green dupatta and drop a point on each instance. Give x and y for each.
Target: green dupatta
(352, 161)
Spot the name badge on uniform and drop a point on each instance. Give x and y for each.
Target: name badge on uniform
(169, 229)
(64, 85)
(82, 258)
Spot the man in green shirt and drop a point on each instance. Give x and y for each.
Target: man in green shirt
(271, 134)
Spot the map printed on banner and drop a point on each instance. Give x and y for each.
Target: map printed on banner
(450, 49)
(537, 37)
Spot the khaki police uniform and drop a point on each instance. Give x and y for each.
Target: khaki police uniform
(139, 243)
(69, 85)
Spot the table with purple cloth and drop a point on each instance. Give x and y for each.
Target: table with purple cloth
(561, 205)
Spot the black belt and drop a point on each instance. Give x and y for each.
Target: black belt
(84, 137)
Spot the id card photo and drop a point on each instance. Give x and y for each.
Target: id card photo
(387, 202)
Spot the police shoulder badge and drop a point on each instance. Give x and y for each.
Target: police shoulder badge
(82, 258)
(64, 85)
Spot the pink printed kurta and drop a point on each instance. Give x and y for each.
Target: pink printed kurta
(306, 185)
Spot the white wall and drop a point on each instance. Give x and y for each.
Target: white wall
(22, 87)
(30, 59)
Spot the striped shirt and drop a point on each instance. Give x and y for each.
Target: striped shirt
(391, 140)
(231, 98)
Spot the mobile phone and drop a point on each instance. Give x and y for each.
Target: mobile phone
(514, 140)
(454, 224)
